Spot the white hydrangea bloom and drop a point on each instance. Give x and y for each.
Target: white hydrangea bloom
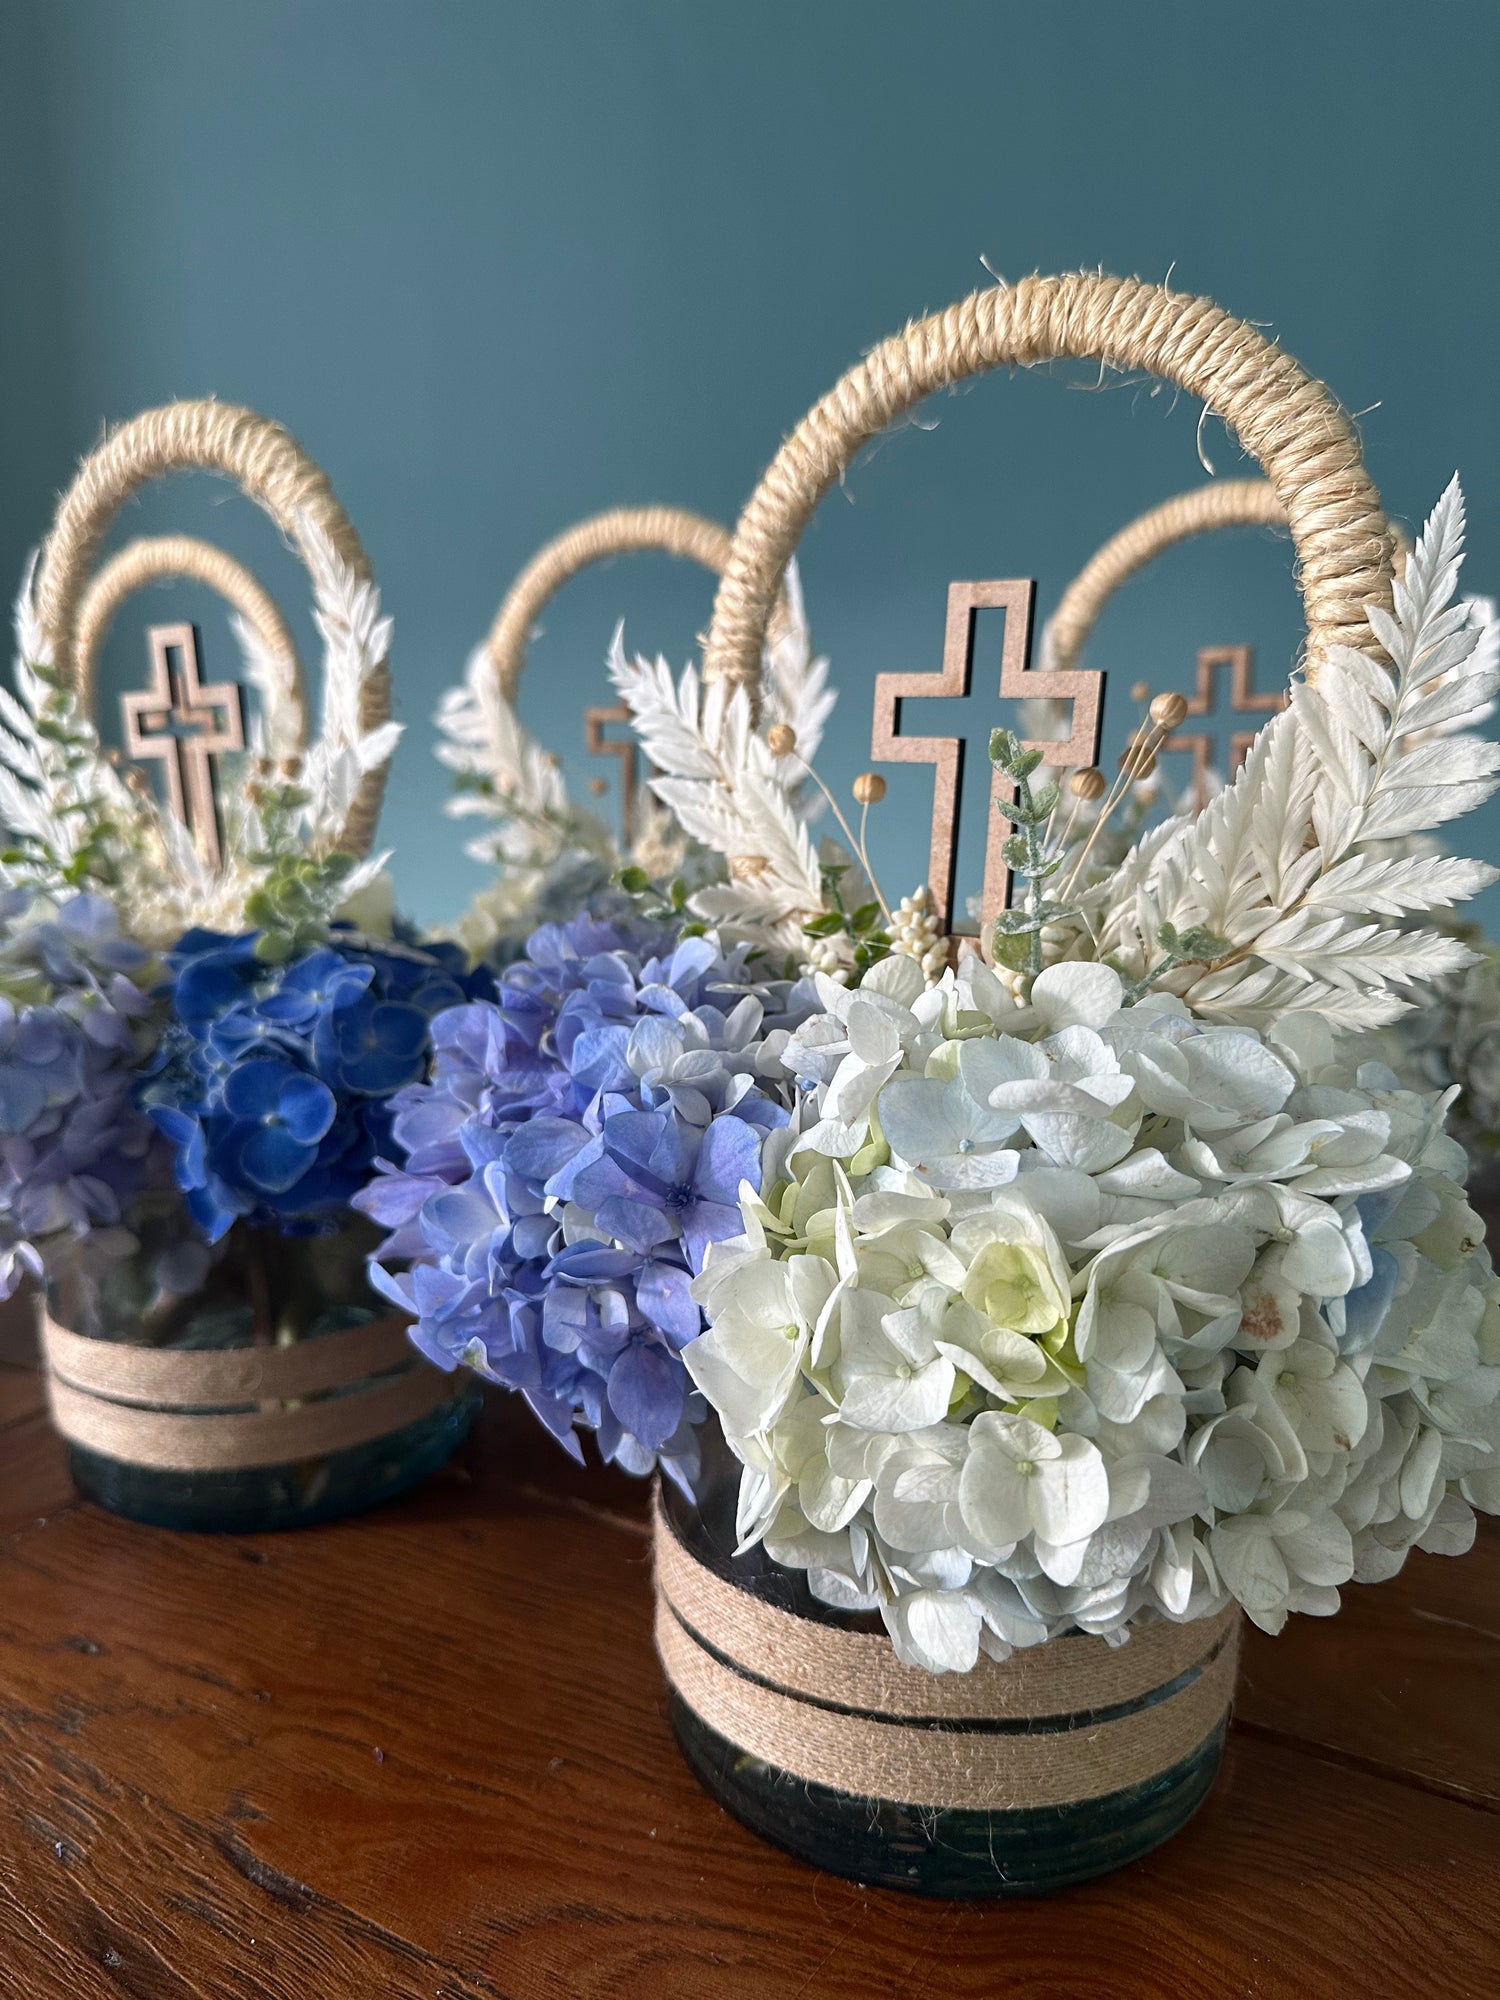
(1068, 1316)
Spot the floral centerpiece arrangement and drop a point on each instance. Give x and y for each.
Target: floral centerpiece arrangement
(1092, 1291)
(199, 1064)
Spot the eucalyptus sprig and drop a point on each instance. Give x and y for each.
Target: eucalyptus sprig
(293, 904)
(1018, 932)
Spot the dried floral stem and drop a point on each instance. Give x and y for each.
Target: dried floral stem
(856, 842)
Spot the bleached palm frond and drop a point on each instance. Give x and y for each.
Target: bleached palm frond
(796, 684)
(356, 640)
(718, 776)
(273, 675)
(1287, 866)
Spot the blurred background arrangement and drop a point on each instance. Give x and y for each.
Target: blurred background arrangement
(502, 265)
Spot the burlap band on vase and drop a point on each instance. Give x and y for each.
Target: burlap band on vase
(1074, 1719)
(178, 1410)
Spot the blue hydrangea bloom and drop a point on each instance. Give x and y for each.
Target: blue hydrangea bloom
(272, 1084)
(582, 1139)
(74, 1150)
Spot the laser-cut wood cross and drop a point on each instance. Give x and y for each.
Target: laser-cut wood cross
(174, 722)
(1018, 682)
(1243, 700)
(595, 722)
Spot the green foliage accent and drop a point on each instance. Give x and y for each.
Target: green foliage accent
(1017, 940)
(70, 794)
(299, 892)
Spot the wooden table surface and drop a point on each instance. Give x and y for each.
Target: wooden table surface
(423, 1753)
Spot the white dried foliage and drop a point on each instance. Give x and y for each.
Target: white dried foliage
(356, 642)
(796, 689)
(1299, 864)
(273, 674)
(719, 778)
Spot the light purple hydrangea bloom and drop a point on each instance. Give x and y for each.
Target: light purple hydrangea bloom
(579, 1145)
(74, 1149)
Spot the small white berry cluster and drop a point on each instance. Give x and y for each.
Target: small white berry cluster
(916, 933)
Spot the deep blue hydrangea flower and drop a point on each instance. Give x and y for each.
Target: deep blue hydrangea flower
(273, 1083)
(74, 1150)
(581, 1141)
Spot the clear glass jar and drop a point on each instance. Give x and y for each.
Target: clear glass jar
(880, 1842)
(256, 1290)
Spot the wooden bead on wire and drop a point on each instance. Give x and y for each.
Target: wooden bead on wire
(869, 788)
(782, 739)
(1090, 784)
(1168, 710)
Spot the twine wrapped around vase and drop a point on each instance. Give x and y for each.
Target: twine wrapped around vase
(223, 1410)
(270, 467)
(1054, 1725)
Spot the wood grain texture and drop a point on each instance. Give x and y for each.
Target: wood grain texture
(425, 1753)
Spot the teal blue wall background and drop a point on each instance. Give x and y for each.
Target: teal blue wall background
(502, 264)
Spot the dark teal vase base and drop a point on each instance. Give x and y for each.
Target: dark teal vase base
(943, 1851)
(261, 1499)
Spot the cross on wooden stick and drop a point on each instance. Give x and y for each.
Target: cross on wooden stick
(1243, 700)
(595, 722)
(172, 722)
(1018, 682)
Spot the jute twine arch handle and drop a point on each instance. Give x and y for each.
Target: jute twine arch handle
(159, 558)
(672, 531)
(1226, 503)
(269, 466)
(1290, 423)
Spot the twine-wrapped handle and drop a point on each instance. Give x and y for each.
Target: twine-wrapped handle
(270, 467)
(1290, 423)
(160, 558)
(672, 531)
(1226, 503)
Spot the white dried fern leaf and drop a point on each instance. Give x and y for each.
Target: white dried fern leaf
(723, 784)
(1280, 864)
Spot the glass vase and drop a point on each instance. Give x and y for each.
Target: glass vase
(1068, 1761)
(274, 1391)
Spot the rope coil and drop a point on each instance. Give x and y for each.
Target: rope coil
(270, 467)
(159, 558)
(1287, 421)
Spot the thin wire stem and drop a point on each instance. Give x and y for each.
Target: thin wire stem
(1121, 786)
(857, 847)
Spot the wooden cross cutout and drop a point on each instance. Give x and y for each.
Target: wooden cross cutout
(172, 722)
(595, 722)
(1018, 682)
(1243, 700)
